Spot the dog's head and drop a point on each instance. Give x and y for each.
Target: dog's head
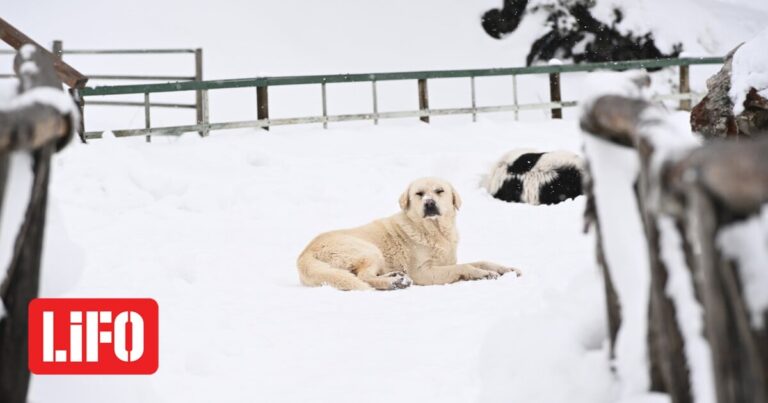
(430, 198)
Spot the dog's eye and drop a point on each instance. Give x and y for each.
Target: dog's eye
(439, 191)
(420, 194)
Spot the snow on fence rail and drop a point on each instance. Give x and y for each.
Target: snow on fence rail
(262, 84)
(682, 241)
(34, 124)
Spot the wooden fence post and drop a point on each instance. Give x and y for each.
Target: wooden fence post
(58, 51)
(554, 94)
(685, 88)
(262, 105)
(423, 99)
(37, 129)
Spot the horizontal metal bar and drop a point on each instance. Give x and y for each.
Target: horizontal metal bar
(175, 130)
(413, 75)
(111, 51)
(124, 51)
(4, 75)
(677, 97)
(128, 103)
(128, 77)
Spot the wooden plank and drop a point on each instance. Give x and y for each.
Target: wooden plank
(16, 39)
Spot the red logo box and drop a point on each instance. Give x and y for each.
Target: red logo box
(93, 336)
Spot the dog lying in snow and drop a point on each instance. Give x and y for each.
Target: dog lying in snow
(532, 177)
(416, 245)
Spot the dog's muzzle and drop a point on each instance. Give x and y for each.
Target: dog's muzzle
(430, 208)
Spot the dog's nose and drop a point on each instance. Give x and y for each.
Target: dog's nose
(429, 203)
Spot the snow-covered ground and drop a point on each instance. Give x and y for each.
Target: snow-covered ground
(211, 227)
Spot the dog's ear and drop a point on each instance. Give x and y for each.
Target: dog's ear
(456, 198)
(405, 199)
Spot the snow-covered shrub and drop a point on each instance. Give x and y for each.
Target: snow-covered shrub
(574, 32)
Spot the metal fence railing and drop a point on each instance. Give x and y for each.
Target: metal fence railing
(261, 84)
(58, 49)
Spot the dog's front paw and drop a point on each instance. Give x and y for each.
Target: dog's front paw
(475, 273)
(497, 268)
(399, 280)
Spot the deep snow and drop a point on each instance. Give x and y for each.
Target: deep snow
(211, 227)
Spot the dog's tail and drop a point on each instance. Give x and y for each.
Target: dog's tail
(314, 273)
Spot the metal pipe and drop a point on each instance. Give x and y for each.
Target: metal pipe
(124, 51)
(172, 130)
(154, 104)
(137, 78)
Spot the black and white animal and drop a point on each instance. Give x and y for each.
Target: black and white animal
(529, 176)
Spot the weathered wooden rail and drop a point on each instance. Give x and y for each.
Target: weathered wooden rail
(41, 119)
(262, 84)
(664, 207)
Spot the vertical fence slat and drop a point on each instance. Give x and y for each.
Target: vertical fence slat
(554, 94)
(262, 105)
(147, 124)
(514, 94)
(198, 94)
(325, 106)
(685, 88)
(423, 99)
(474, 103)
(206, 111)
(375, 103)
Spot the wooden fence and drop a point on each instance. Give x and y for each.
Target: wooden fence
(680, 290)
(38, 124)
(262, 85)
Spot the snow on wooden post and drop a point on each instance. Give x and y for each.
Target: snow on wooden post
(423, 99)
(721, 196)
(624, 140)
(42, 121)
(262, 105)
(699, 214)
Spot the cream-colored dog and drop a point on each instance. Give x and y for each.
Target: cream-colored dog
(416, 245)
